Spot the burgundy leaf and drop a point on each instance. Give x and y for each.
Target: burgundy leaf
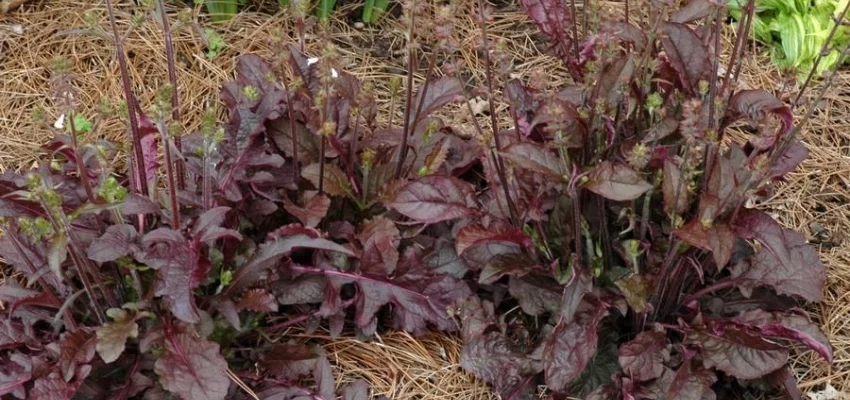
(755, 106)
(305, 289)
(149, 146)
(45, 300)
(357, 390)
(475, 317)
(673, 186)
(688, 55)
(257, 300)
(613, 79)
(271, 252)
(440, 92)
(135, 204)
(416, 297)
(14, 373)
(581, 284)
(523, 102)
(786, 379)
(53, 387)
(694, 10)
(738, 353)
(790, 159)
(549, 15)
(309, 150)
(289, 361)
(181, 269)
(116, 242)
(313, 211)
(787, 326)
(324, 377)
(210, 219)
(434, 199)
(491, 359)
(415, 301)
(785, 261)
(471, 236)
(76, 348)
(227, 309)
(616, 181)
(444, 260)
(335, 182)
(718, 238)
(571, 346)
(22, 256)
(192, 368)
(380, 239)
(253, 70)
(643, 358)
(11, 334)
(509, 264)
(535, 294)
(626, 32)
(687, 383)
(536, 158)
(730, 172)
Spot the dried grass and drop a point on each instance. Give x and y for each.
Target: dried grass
(815, 200)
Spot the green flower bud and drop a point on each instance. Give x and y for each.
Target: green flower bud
(42, 228)
(395, 85)
(653, 102)
(226, 277)
(251, 93)
(33, 181)
(112, 191)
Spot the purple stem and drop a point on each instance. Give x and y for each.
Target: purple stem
(138, 155)
(175, 101)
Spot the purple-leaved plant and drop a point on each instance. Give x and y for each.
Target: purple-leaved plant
(601, 245)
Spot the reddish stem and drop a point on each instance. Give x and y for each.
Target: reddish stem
(138, 155)
(175, 101)
(169, 172)
(500, 166)
(301, 318)
(409, 102)
(712, 288)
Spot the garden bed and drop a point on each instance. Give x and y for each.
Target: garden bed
(815, 200)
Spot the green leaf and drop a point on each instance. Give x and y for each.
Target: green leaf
(222, 10)
(368, 8)
(325, 8)
(373, 10)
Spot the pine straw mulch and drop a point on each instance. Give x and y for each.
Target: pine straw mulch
(815, 200)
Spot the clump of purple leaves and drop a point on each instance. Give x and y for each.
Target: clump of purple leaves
(602, 245)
